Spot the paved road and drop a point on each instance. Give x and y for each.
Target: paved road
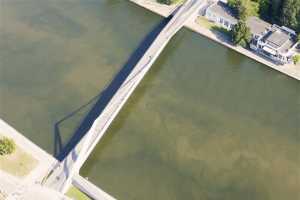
(62, 174)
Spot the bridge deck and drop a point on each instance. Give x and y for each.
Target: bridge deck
(61, 176)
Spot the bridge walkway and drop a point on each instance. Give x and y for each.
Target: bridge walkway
(61, 176)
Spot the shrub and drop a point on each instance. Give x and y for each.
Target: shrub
(168, 2)
(296, 59)
(7, 146)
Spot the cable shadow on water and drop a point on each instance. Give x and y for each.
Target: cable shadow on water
(103, 98)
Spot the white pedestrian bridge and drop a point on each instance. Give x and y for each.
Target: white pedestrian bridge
(65, 172)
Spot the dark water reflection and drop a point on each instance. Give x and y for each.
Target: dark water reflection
(206, 122)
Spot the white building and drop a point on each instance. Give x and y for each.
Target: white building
(221, 14)
(277, 43)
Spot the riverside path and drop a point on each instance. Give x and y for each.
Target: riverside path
(61, 175)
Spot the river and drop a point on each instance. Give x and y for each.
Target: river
(205, 123)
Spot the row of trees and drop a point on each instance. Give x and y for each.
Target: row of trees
(281, 12)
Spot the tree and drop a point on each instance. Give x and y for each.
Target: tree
(264, 8)
(290, 13)
(7, 146)
(275, 9)
(238, 8)
(241, 34)
(298, 19)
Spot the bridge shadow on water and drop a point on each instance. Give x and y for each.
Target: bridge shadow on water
(103, 98)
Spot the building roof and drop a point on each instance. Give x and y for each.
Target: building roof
(276, 38)
(223, 10)
(279, 39)
(257, 26)
(287, 46)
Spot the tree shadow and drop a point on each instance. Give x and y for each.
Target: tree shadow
(103, 98)
(222, 34)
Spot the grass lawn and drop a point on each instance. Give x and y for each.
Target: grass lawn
(18, 163)
(76, 194)
(201, 20)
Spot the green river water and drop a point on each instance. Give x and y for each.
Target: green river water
(205, 123)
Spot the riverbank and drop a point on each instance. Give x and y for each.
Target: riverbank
(164, 10)
(11, 184)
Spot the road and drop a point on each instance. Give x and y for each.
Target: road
(61, 175)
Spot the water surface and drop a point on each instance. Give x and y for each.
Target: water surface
(57, 55)
(205, 123)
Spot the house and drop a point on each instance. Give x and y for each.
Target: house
(221, 14)
(277, 43)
